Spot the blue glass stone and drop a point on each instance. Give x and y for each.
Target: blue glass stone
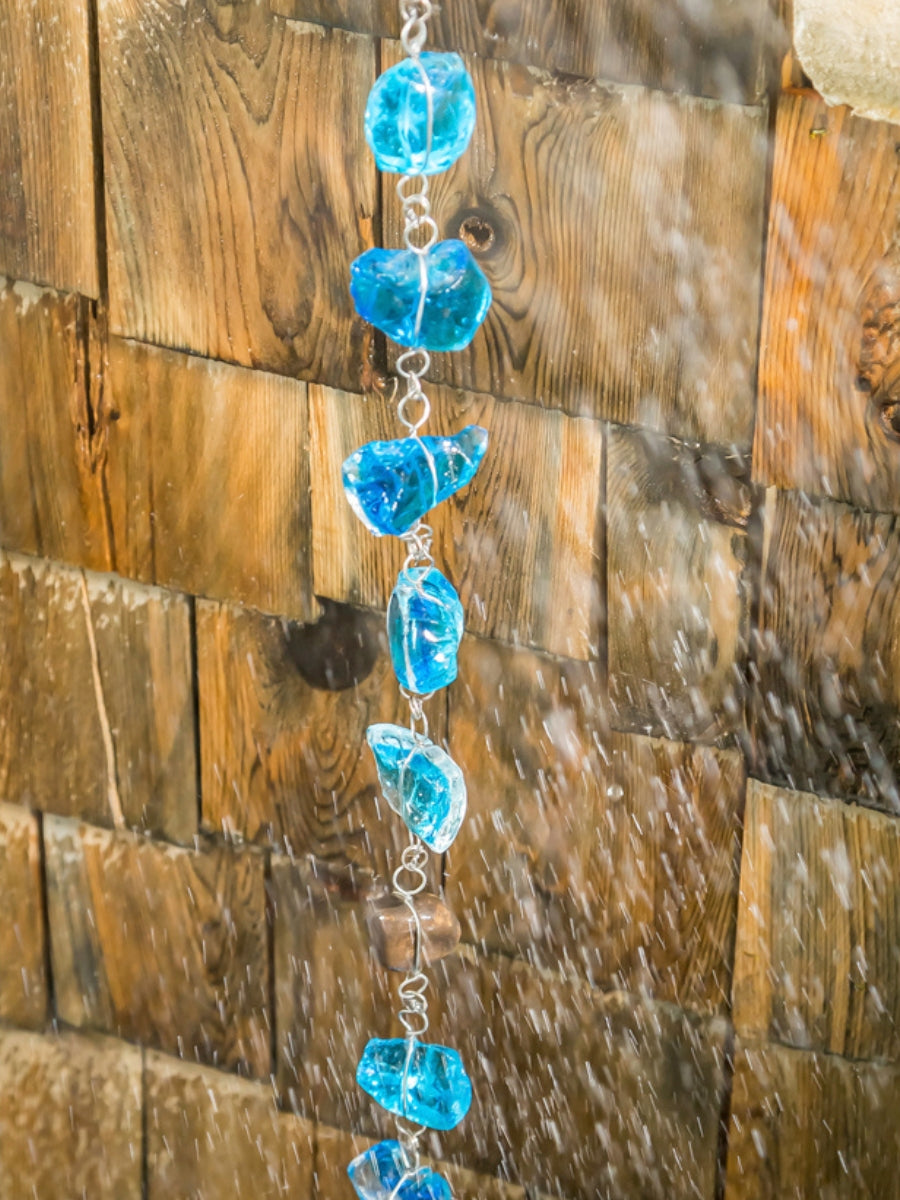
(439, 308)
(425, 627)
(397, 115)
(420, 782)
(426, 1084)
(382, 1173)
(392, 485)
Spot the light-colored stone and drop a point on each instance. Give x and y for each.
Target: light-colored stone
(851, 52)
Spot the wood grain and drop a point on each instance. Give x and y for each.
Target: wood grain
(611, 853)
(209, 1134)
(53, 448)
(283, 714)
(330, 998)
(161, 945)
(209, 479)
(237, 183)
(811, 1125)
(817, 963)
(714, 51)
(70, 1117)
(577, 1093)
(534, 503)
(678, 596)
(611, 224)
(830, 364)
(96, 698)
(824, 698)
(47, 220)
(23, 982)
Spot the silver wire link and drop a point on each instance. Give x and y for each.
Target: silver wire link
(415, 15)
(417, 717)
(411, 366)
(418, 545)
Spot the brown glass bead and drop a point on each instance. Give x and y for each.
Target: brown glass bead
(392, 929)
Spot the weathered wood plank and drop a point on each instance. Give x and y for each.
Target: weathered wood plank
(612, 853)
(717, 51)
(209, 1134)
(23, 982)
(70, 1117)
(535, 501)
(811, 1125)
(283, 714)
(237, 183)
(96, 698)
(612, 224)
(163, 945)
(330, 997)
(677, 597)
(829, 406)
(825, 697)
(577, 1093)
(47, 219)
(209, 478)
(818, 949)
(53, 447)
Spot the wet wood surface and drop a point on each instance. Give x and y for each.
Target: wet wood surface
(237, 183)
(70, 1116)
(283, 714)
(611, 853)
(677, 594)
(805, 1124)
(96, 698)
(715, 51)
(47, 218)
(829, 404)
(23, 978)
(208, 478)
(209, 1134)
(53, 446)
(535, 501)
(817, 964)
(160, 945)
(824, 698)
(606, 305)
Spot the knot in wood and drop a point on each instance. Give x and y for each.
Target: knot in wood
(878, 366)
(477, 233)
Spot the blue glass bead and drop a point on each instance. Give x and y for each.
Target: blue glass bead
(426, 1084)
(392, 485)
(397, 115)
(420, 782)
(387, 288)
(425, 627)
(377, 1173)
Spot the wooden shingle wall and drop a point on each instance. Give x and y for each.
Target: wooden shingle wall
(677, 708)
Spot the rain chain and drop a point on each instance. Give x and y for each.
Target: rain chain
(429, 296)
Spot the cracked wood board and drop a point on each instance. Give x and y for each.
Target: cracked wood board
(238, 187)
(159, 944)
(47, 214)
(53, 499)
(96, 699)
(208, 478)
(716, 50)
